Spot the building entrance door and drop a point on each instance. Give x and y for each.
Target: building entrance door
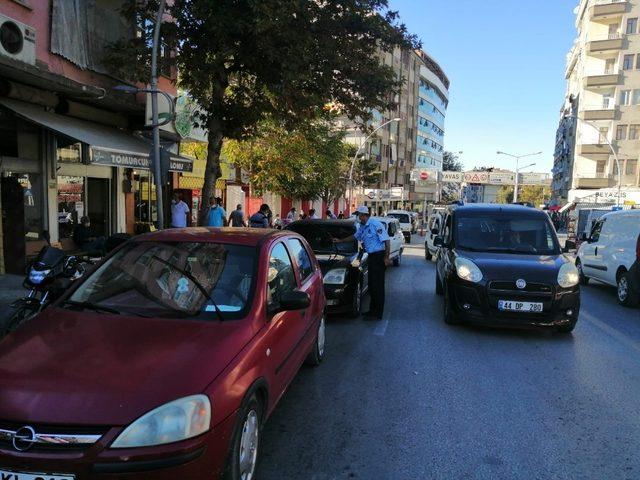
(98, 206)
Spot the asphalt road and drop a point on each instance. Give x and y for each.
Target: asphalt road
(412, 398)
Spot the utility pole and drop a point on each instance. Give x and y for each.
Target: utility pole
(157, 170)
(518, 157)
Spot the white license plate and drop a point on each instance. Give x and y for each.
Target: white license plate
(513, 306)
(8, 475)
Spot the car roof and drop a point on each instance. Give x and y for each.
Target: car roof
(387, 219)
(239, 236)
(622, 213)
(335, 223)
(496, 208)
(399, 211)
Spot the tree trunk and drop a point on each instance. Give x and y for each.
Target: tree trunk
(212, 171)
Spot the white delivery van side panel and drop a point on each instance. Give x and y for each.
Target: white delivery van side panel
(621, 243)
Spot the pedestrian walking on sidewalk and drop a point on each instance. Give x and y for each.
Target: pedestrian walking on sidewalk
(216, 216)
(330, 214)
(236, 219)
(179, 211)
(260, 219)
(374, 239)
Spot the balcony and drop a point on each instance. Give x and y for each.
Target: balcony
(593, 180)
(596, 151)
(598, 81)
(606, 10)
(607, 45)
(598, 113)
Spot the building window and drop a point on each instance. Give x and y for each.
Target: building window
(632, 26)
(621, 132)
(638, 61)
(633, 132)
(631, 167)
(600, 166)
(71, 204)
(636, 97)
(627, 63)
(625, 97)
(604, 134)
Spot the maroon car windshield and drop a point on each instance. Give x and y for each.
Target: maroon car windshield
(173, 280)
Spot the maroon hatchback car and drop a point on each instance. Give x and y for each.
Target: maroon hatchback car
(164, 362)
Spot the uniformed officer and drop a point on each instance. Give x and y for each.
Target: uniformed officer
(375, 241)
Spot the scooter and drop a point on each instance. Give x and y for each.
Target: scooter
(48, 277)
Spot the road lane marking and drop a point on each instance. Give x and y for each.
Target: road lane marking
(381, 329)
(611, 331)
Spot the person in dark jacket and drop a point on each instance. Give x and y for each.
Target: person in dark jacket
(260, 219)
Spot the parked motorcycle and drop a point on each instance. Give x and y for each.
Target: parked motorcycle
(48, 277)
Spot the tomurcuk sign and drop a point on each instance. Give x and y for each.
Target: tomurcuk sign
(118, 158)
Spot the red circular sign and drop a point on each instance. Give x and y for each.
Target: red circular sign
(424, 175)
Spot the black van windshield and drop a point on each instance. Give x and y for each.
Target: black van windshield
(503, 232)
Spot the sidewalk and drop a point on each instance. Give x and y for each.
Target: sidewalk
(10, 290)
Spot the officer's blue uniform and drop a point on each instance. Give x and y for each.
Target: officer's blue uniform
(372, 235)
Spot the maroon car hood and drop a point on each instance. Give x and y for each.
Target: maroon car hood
(84, 368)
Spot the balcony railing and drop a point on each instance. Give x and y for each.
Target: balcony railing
(607, 2)
(602, 175)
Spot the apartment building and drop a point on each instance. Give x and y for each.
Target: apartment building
(601, 111)
(417, 140)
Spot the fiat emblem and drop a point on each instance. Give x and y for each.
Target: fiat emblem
(521, 284)
(24, 438)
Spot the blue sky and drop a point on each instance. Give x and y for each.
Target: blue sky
(505, 60)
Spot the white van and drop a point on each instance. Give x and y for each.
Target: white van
(404, 217)
(609, 253)
(396, 238)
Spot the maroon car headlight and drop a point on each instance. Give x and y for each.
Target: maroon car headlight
(175, 421)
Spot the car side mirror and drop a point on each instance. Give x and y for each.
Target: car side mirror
(438, 241)
(435, 230)
(293, 300)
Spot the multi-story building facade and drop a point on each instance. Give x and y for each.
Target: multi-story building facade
(70, 145)
(602, 102)
(417, 140)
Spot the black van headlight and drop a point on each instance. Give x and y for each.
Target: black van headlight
(467, 270)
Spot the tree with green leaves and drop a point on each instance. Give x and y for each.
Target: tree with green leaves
(246, 60)
(451, 163)
(305, 163)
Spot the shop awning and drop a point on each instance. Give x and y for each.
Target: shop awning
(108, 145)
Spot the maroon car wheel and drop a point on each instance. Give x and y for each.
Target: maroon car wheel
(243, 459)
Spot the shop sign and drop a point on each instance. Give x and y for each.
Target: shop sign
(424, 176)
(384, 195)
(118, 158)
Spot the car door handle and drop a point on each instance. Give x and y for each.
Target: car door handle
(596, 252)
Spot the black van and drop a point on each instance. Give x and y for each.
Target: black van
(503, 265)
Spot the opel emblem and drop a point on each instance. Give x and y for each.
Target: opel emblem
(24, 438)
(521, 284)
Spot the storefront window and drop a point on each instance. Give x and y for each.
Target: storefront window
(71, 203)
(145, 196)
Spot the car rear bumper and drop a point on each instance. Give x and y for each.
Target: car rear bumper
(196, 459)
(478, 303)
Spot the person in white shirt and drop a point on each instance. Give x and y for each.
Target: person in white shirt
(312, 214)
(179, 211)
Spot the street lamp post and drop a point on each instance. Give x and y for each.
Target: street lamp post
(355, 157)
(613, 152)
(518, 157)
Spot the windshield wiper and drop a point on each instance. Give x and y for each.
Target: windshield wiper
(196, 283)
(92, 306)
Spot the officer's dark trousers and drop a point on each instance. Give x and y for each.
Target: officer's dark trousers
(376, 283)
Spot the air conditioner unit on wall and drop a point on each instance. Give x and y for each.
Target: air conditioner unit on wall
(17, 40)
